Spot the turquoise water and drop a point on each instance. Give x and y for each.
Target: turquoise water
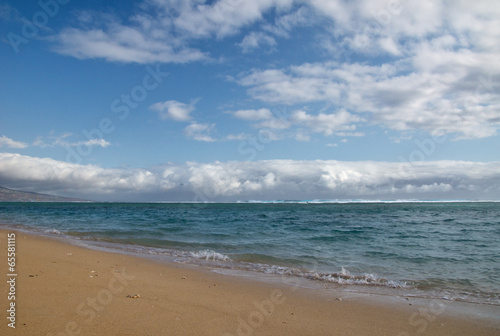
(449, 250)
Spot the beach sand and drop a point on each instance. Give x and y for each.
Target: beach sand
(63, 289)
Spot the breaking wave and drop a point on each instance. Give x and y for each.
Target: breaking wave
(209, 255)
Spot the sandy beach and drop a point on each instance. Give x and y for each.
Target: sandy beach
(63, 289)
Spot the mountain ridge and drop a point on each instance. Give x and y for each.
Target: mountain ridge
(12, 195)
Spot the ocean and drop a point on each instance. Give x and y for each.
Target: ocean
(447, 250)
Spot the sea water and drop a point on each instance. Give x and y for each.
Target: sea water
(447, 250)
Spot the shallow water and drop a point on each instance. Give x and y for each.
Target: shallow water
(448, 250)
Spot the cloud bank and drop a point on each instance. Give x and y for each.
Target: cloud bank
(262, 180)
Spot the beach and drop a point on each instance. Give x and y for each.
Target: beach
(63, 289)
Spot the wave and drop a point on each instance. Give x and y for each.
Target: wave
(53, 231)
(209, 255)
(212, 258)
(344, 277)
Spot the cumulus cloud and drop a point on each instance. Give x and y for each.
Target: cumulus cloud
(452, 94)
(277, 86)
(199, 132)
(174, 110)
(224, 17)
(339, 123)
(161, 31)
(272, 179)
(426, 65)
(8, 142)
(440, 76)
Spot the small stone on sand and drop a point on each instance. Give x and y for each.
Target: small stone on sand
(135, 296)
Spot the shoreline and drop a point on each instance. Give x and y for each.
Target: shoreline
(216, 262)
(73, 290)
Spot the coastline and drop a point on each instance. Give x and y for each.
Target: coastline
(63, 289)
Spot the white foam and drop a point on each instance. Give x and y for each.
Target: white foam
(344, 277)
(209, 255)
(53, 231)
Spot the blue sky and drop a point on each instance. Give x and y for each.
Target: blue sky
(168, 100)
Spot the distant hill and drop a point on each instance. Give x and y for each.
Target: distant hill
(10, 195)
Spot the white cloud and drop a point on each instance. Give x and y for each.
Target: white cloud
(426, 65)
(118, 43)
(273, 179)
(39, 142)
(441, 92)
(48, 175)
(265, 118)
(442, 76)
(390, 46)
(199, 132)
(162, 30)
(277, 86)
(54, 140)
(360, 24)
(7, 142)
(173, 109)
(260, 114)
(224, 17)
(326, 123)
(340, 123)
(283, 25)
(144, 38)
(256, 40)
(93, 142)
(61, 140)
(275, 123)
(301, 135)
(241, 136)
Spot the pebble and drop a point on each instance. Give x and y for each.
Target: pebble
(135, 296)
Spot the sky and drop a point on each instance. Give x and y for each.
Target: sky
(227, 100)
